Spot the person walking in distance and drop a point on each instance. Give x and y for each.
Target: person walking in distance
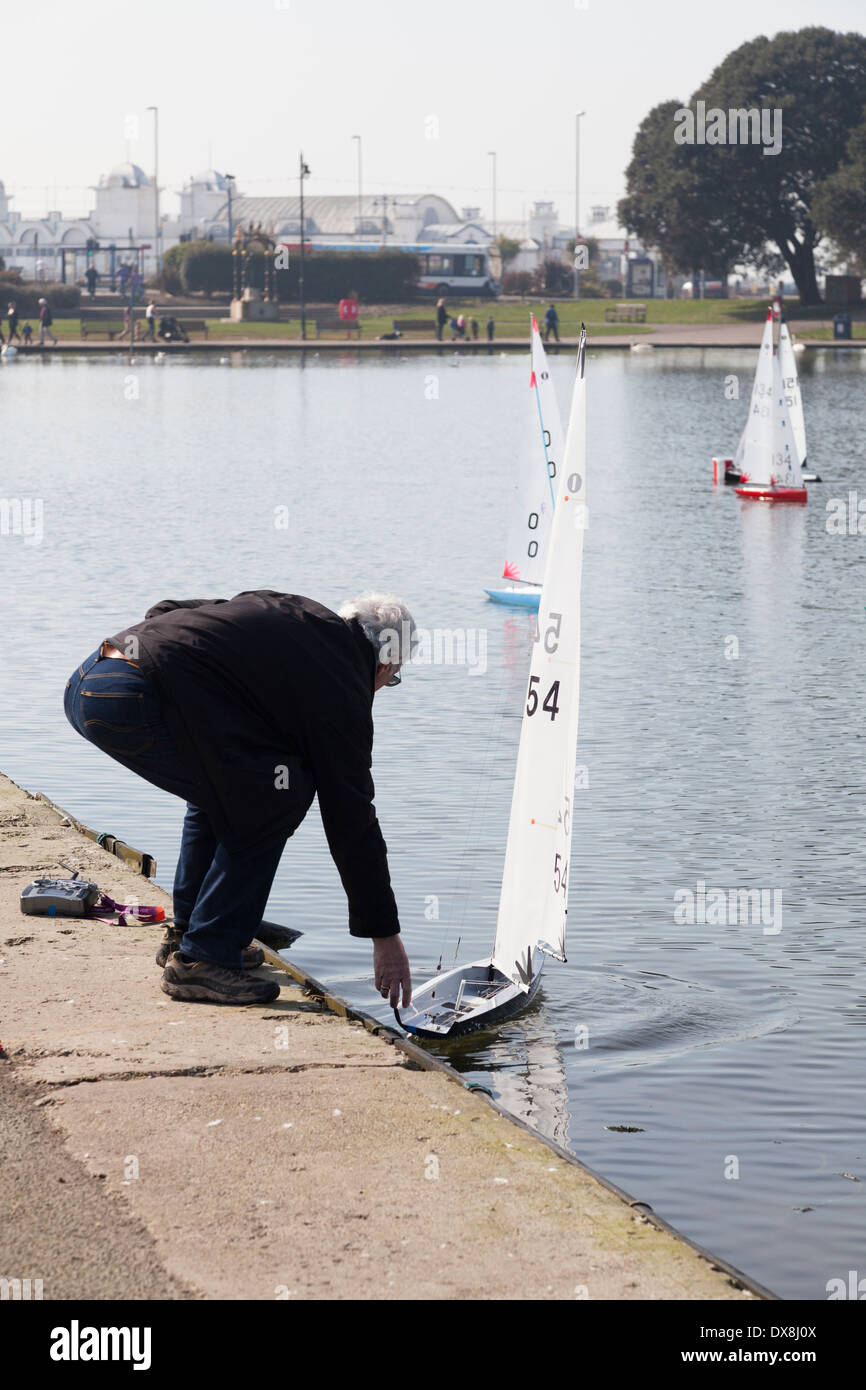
(491, 328)
(441, 318)
(12, 313)
(150, 321)
(551, 323)
(46, 318)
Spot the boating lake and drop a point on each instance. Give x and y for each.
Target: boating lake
(721, 727)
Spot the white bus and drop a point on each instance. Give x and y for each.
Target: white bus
(460, 267)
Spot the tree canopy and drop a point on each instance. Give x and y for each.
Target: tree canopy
(839, 202)
(712, 205)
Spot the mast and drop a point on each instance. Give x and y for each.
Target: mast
(534, 900)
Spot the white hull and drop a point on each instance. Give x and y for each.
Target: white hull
(468, 998)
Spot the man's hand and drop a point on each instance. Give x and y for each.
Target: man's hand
(391, 970)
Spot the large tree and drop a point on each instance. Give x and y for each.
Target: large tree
(839, 202)
(714, 205)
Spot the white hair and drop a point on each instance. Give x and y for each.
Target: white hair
(388, 624)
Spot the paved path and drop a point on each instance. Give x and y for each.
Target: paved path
(166, 1150)
(669, 335)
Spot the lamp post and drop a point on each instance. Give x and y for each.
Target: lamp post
(358, 228)
(577, 199)
(230, 178)
(155, 110)
(492, 154)
(303, 172)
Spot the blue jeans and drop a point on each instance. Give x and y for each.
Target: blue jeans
(219, 898)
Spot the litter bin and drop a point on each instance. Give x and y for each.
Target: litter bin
(841, 325)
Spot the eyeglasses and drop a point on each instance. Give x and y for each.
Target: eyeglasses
(395, 679)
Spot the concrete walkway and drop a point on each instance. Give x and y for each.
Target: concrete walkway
(163, 1150)
(669, 335)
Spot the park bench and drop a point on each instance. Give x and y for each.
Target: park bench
(189, 325)
(625, 313)
(101, 327)
(427, 326)
(332, 323)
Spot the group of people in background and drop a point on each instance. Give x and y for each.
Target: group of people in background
(24, 334)
(460, 327)
(128, 278)
(170, 328)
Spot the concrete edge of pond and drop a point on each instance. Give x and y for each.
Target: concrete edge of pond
(428, 1061)
(349, 1116)
(662, 341)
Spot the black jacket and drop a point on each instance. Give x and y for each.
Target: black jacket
(261, 681)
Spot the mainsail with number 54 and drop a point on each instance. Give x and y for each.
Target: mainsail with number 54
(533, 903)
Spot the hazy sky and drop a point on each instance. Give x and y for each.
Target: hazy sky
(243, 84)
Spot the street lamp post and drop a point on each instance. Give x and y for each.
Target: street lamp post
(492, 154)
(577, 200)
(155, 110)
(303, 172)
(230, 178)
(358, 228)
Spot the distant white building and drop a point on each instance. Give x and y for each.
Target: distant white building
(202, 202)
(35, 244)
(616, 250)
(124, 210)
(124, 215)
(378, 217)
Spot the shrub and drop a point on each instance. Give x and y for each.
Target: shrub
(378, 277)
(62, 298)
(613, 288)
(169, 278)
(556, 278)
(517, 282)
(591, 286)
(206, 267)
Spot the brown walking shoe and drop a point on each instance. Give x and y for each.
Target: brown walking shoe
(253, 956)
(200, 981)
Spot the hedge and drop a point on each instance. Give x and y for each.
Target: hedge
(203, 267)
(27, 293)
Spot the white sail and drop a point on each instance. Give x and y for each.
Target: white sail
(534, 900)
(791, 388)
(786, 458)
(741, 449)
(755, 457)
(535, 494)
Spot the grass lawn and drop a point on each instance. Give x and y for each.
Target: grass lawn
(511, 319)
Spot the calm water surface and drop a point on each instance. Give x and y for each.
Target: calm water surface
(737, 763)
